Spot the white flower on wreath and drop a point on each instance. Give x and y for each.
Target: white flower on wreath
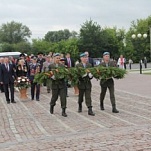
(23, 80)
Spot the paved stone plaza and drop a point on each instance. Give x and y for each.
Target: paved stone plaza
(28, 125)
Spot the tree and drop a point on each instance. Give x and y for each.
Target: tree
(90, 38)
(40, 45)
(23, 47)
(112, 41)
(6, 47)
(56, 36)
(140, 46)
(96, 40)
(14, 32)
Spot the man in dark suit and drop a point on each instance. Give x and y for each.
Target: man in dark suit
(108, 83)
(69, 62)
(85, 85)
(58, 87)
(40, 60)
(7, 78)
(90, 60)
(1, 85)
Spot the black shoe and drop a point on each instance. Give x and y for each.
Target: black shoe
(8, 101)
(115, 110)
(13, 102)
(64, 112)
(102, 107)
(51, 109)
(80, 108)
(37, 100)
(90, 112)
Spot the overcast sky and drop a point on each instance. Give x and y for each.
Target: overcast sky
(42, 16)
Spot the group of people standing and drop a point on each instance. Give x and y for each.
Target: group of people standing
(10, 70)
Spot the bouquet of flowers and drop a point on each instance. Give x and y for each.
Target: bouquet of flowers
(22, 82)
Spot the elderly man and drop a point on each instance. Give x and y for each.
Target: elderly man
(85, 85)
(58, 87)
(7, 78)
(108, 83)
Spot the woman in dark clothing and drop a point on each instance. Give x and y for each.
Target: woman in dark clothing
(21, 69)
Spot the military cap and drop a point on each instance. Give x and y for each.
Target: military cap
(106, 53)
(83, 55)
(22, 55)
(56, 54)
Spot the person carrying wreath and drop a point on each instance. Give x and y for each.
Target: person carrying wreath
(85, 85)
(58, 87)
(107, 83)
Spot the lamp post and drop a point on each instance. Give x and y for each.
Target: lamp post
(139, 36)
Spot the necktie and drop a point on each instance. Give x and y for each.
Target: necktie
(68, 63)
(7, 67)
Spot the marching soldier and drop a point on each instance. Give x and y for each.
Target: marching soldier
(58, 87)
(109, 83)
(34, 68)
(85, 85)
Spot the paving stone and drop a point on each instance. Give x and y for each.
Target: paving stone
(28, 125)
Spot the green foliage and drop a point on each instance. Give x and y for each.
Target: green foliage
(74, 74)
(14, 32)
(96, 40)
(40, 77)
(6, 47)
(138, 47)
(39, 45)
(56, 36)
(90, 38)
(23, 47)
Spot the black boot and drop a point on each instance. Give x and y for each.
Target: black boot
(80, 108)
(64, 112)
(90, 112)
(51, 109)
(114, 110)
(102, 106)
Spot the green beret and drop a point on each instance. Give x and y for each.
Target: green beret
(83, 55)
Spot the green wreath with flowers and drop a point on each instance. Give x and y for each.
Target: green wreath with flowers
(73, 74)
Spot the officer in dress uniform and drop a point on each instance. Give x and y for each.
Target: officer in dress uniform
(58, 87)
(34, 68)
(108, 83)
(85, 85)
